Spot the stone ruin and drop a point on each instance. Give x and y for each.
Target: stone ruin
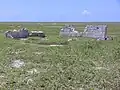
(68, 31)
(98, 32)
(24, 33)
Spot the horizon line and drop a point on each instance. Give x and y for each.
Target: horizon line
(56, 22)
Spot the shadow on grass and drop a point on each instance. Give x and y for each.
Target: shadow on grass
(46, 42)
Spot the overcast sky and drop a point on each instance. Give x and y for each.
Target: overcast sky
(60, 10)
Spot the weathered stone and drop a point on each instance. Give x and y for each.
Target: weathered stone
(95, 31)
(23, 33)
(69, 31)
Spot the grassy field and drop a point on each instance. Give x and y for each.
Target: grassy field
(82, 64)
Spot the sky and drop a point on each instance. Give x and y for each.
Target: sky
(60, 10)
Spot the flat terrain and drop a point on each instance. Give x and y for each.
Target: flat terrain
(82, 64)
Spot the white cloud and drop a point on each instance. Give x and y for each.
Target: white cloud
(86, 12)
(53, 20)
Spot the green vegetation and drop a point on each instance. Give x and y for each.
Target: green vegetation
(82, 64)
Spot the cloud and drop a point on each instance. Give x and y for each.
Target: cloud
(86, 12)
(52, 20)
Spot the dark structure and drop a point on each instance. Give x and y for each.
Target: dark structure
(37, 34)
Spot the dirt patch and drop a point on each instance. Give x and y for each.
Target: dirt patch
(55, 45)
